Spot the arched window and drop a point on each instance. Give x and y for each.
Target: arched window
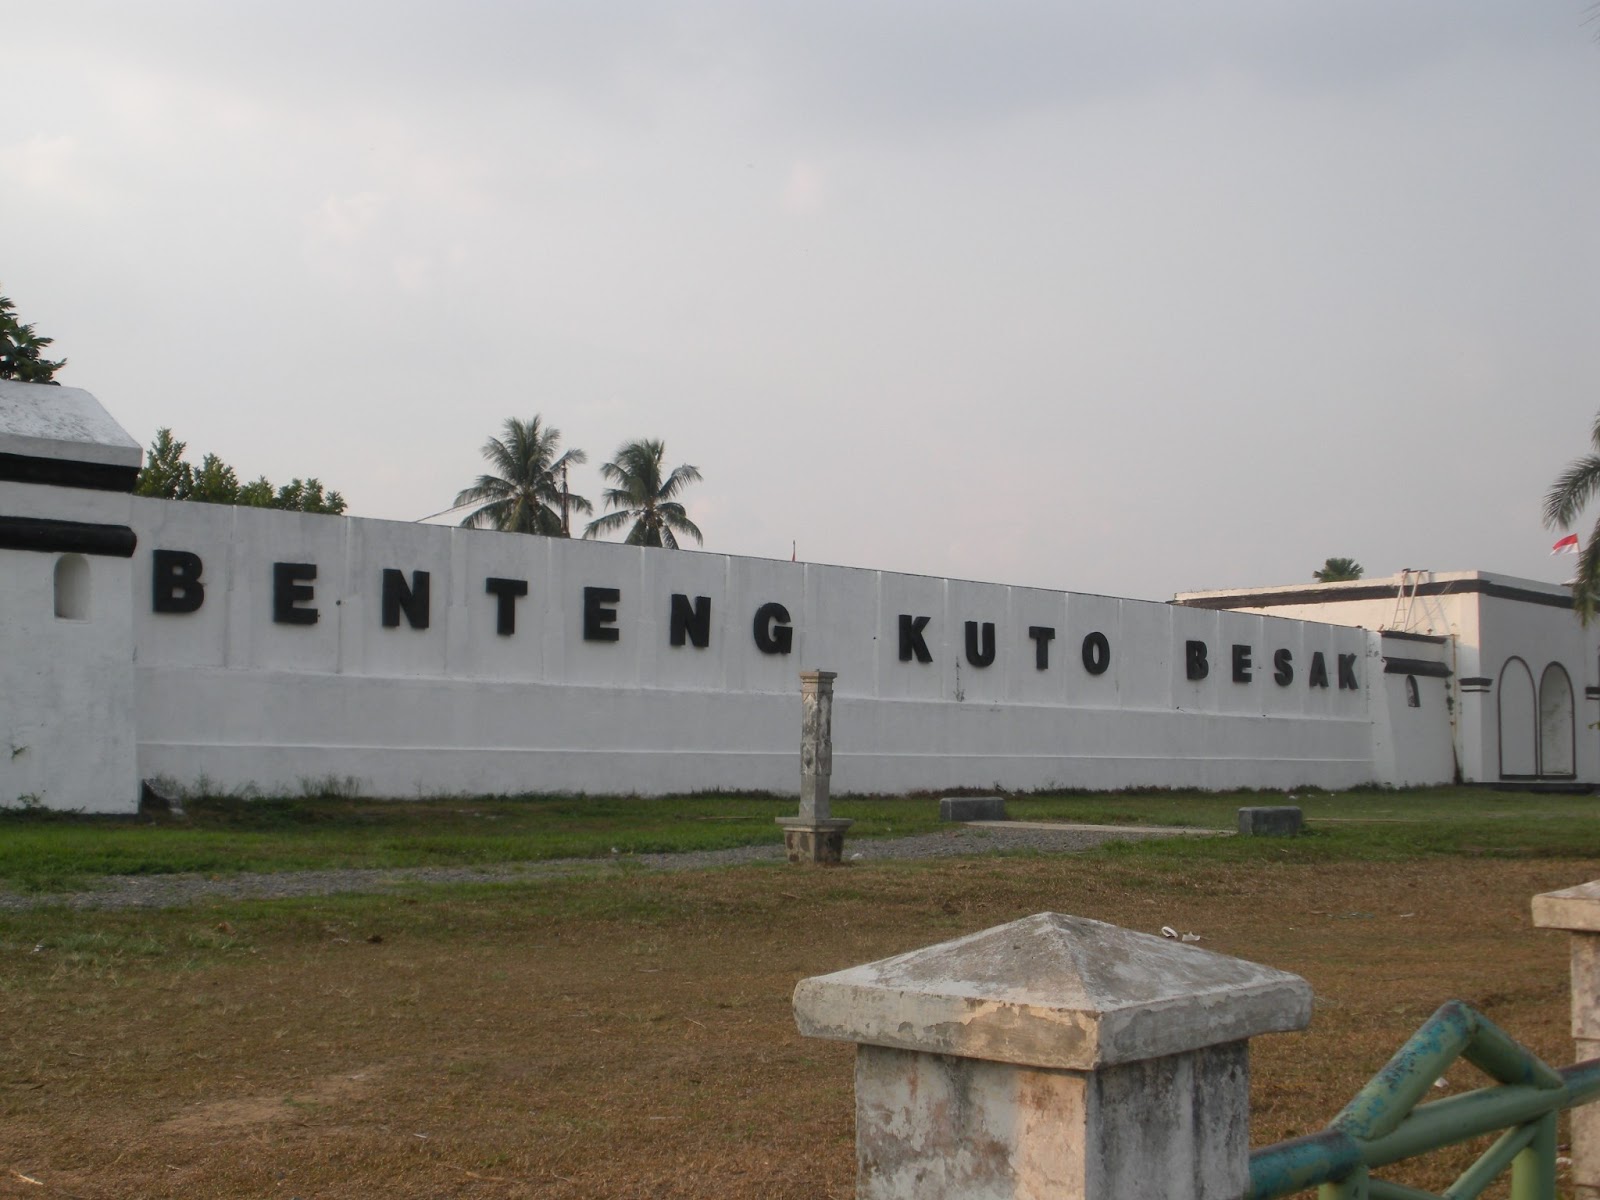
(72, 587)
(1413, 695)
(1557, 718)
(1518, 712)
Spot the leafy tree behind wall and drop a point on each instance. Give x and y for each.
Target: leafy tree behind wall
(22, 350)
(169, 475)
(1338, 570)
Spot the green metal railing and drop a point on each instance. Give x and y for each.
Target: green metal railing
(1385, 1122)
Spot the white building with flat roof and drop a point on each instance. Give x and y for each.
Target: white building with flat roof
(1515, 673)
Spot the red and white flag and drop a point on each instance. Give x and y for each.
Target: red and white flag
(1567, 545)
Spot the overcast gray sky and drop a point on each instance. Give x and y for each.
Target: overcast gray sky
(1105, 296)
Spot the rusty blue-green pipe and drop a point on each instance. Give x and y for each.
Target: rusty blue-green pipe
(1331, 1155)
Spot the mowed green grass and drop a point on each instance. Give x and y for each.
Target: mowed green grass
(52, 852)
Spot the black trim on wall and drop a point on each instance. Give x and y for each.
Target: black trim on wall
(1416, 666)
(1482, 681)
(62, 472)
(1372, 591)
(1591, 693)
(66, 537)
(1438, 639)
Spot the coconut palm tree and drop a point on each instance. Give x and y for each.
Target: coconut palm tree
(1566, 500)
(527, 490)
(1338, 570)
(644, 500)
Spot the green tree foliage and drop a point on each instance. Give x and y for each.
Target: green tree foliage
(644, 499)
(214, 482)
(1338, 570)
(167, 474)
(301, 496)
(22, 350)
(522, 493)
(1563, 505)
(258, 493)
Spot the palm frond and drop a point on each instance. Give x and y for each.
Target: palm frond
(488, 487)
(680, 478)
(606, 524)
(1572, 491)
(1586, 587)
(674, 517)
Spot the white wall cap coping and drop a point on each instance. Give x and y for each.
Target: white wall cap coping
(42, 420)
(1053, 990)
(1574, 908)
(1332, 590)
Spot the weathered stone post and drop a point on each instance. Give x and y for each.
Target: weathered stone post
(1577, 910)
(1054, 1058)
(814, 836)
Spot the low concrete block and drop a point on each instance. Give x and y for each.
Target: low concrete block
(814, 841)
(972, 808)
(1279, 821)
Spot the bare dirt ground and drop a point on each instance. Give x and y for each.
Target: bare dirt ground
(631, 1036)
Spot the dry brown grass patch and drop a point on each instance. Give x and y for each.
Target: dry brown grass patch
(632, 1037)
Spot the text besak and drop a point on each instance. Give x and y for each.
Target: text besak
(178, 588)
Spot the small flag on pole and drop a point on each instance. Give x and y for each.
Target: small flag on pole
(1567, 545)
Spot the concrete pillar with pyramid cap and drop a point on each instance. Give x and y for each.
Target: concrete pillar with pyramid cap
(1054, 1057)
(1577, 910)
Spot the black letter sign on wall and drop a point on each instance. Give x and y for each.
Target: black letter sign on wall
(691, 622)
(397, 598)
(1041, 635)
(1347, 672)
(980, 656)
(1194, 655)
(505, 592)
(1319, 671)
(175, 585)
(1096, 653)
(911, 643)
(773, 635)
(291, 587)
(598, 616)
(1241, 664)
(1284, 662)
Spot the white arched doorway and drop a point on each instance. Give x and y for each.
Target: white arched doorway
(1518, 721)
(1557, 724)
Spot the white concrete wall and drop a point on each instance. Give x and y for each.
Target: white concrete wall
(228, 696)
(67, 688)
(1413, 746)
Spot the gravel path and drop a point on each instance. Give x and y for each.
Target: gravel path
(170, 891)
